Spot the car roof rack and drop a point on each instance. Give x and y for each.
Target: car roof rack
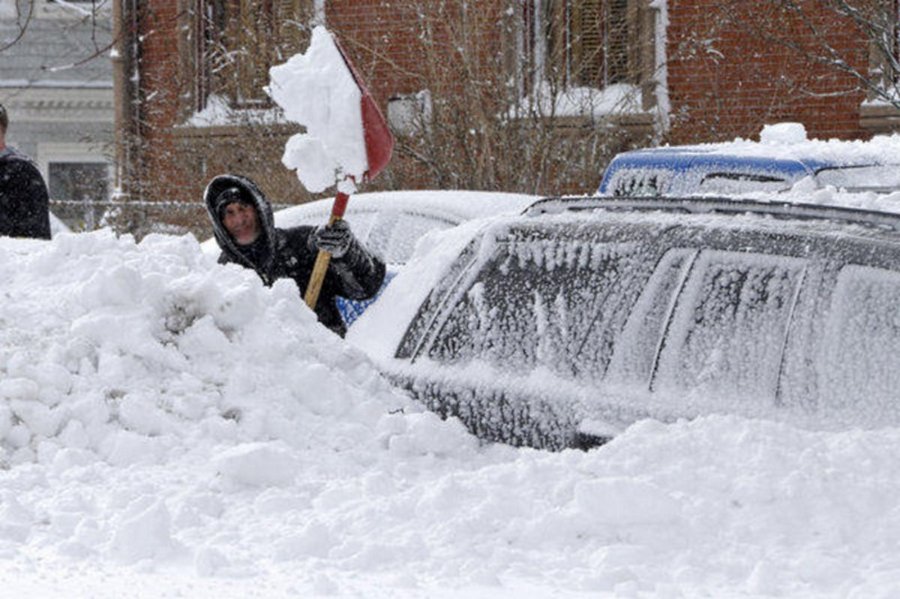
(706, 205)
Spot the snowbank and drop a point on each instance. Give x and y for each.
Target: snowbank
(170, 427)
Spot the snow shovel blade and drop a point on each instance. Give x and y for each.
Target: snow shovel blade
(379, 146)
(378, 138)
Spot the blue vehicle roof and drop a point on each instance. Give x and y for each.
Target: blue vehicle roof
(682, 161)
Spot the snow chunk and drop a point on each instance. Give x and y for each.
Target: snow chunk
(258, 464)
(145, 532)
(425, 434)
(783, 133)
(318, 91)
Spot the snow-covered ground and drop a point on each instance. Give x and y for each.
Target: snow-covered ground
(171, 428)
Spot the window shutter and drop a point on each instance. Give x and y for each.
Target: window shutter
(245, 38)
(590, 41)
(256, 44)
(587, 43)
(616, 42)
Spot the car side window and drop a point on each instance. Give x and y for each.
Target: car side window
(859, 357)
(873, 176)
(545, 304)
(729, 328)
(635, 354)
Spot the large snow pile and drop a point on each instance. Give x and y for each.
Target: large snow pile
(170, 427)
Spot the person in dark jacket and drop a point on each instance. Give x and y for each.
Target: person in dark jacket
(24, 202)
(245, 231)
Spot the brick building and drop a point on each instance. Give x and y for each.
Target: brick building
(519, 95)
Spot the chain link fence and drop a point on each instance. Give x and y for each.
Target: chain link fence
(138, 218)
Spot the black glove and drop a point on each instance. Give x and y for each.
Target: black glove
(336, 239)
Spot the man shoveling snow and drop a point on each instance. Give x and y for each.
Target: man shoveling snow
(246, 233)
(347, 140)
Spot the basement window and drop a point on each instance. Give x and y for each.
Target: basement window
(79, 192)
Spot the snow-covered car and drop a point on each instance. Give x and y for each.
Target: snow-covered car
(390, 223)
(782, 158)
(562, 326)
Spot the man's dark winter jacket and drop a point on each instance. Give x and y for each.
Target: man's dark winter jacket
(24, 204)
(289, 253)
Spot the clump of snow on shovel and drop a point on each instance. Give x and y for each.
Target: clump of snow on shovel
(317, 90)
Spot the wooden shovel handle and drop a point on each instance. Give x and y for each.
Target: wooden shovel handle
(324, 258)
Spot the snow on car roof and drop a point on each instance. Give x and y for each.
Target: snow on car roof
(795, 205)
(456, 205)
(783, 156)
(789, 142)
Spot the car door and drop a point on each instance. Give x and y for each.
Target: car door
(528, 330)
(712, 326)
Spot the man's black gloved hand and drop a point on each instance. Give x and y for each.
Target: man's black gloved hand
(335, 239)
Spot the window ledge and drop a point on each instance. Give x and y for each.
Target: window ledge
(879, 118)
(628, 120)
(233, 130)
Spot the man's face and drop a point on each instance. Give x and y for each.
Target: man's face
(241, 222)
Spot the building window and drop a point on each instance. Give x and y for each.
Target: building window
(79, 191)
(585, 43)
(237, 41)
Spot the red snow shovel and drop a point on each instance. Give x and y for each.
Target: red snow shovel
(379, 145)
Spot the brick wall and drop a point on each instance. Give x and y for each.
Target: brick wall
(178, 161)
(730, 72)
(381, 41)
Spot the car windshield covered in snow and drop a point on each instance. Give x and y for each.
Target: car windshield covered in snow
(561, 327)
(784, 158)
